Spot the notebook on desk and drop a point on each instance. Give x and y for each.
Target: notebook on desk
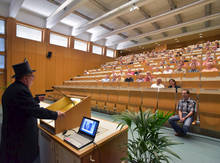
(85, 135)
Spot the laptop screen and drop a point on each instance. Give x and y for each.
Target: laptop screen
(89, 126)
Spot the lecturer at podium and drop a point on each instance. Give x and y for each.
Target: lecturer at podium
(19, 139)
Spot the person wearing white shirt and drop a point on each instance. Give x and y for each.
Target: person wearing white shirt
(106, 79)
(158, 84)
(167, 70)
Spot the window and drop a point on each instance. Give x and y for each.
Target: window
(2, 61)
(59, 40)
(28, 33)
(110, 53)
(97, 49)
(2, 27)
(2, 44)
(80, 45)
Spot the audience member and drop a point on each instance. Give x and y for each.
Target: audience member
(193, 68)
(120, 79)
(185, 114)
(106, 79)
(148, 77)
(195, 61)
(209, 67)
(137, 72)
(172, 83)
(158, 84)
(209, 59)
(129, 78)
(157, 71)
(140, 78)
(86, 72)
(114, 78)
(180, 69)
(130, 72)
(167, 70)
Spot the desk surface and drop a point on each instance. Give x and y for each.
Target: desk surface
(107, 131)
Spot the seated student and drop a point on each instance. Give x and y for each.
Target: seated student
(185, 114)
(167, 70)
(195, 61)
(137, 72)
(106, 79)
(129, 78)
(86, 72)
(114, 74)
(120, 79)
(158, 84)
(209, 67)
(193, 68)
(172, 83)
(140, 78)
(130, 72)
(180, 69)
(148, 77)
(157, 71)
(114, 78)
(209, 59)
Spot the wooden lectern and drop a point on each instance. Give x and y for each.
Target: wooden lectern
(74, 107)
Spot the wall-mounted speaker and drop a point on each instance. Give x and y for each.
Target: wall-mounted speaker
(49, 54)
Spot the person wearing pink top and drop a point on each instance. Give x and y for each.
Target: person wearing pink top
(210, 67)
(148, 77)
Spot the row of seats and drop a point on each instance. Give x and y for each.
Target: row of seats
(117, 100)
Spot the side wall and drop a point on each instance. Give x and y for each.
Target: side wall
(64, 63)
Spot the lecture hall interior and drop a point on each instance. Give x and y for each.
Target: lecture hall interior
(105, 58)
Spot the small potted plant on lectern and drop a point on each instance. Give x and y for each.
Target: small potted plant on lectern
(147, 144)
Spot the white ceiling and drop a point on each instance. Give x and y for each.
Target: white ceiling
(110, 23)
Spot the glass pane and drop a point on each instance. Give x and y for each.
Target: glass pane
(2, 61)
(110, 53)
(2, 27)
(58, 40)
(80, 45)
(28, 33)
(2, 44)
(97, 49)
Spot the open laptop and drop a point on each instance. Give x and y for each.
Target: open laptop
(85, 135)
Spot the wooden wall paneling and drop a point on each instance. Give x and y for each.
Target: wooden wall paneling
(167, 99)
(123, 100)
(149, 99)
(10, 36)
(32, 52)
(103, 96)
(64, 63)
(209, 108)
(2, 85)
(135, 100)
(50, 69)
(18, 50)
(210, 84)
(60, 62)
(112, 99)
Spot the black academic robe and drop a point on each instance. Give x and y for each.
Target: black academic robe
(19, 140)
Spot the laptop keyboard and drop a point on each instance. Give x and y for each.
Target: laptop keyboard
(78, 140)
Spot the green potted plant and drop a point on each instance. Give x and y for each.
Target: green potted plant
(147, 144)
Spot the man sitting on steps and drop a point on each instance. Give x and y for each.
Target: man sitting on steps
(185, 114)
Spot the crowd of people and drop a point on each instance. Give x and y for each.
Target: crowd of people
(189, 59)
(194, 58)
